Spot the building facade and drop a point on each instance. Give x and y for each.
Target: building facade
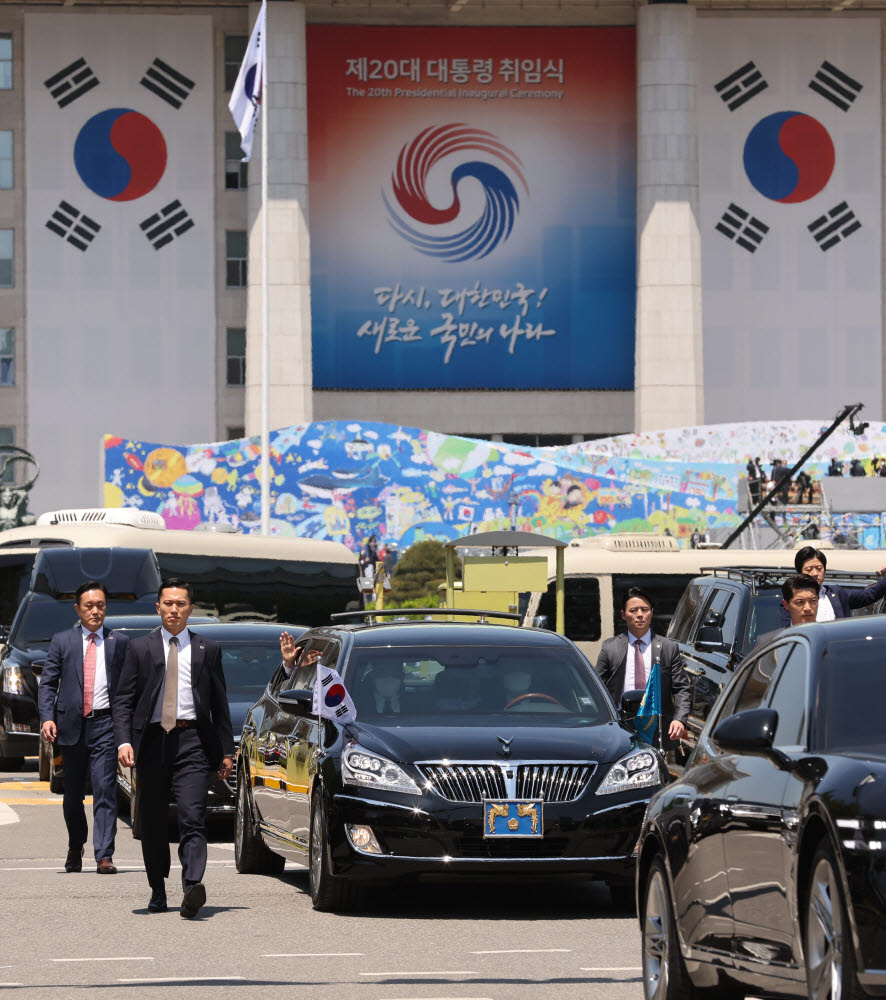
(537, 223)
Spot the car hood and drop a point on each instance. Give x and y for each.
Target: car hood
(602, 743)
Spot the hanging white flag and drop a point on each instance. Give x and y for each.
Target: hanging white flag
(245, 102)
(331, 699)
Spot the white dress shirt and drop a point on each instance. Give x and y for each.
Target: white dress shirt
(185, 709)
(100, 695)
(825, 611)
(630, 677)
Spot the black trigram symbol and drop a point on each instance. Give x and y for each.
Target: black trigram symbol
(167, 83)
(833, 227)
(340, 711)
(327, 680)
(69, 223)
(737, 88)
(162, 227)
(835, 86)
(71, 82)
(738, 225)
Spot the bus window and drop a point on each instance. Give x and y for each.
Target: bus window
(299, 592)
(581, 608)
(665, 589)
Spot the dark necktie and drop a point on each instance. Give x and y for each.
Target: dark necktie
(639, 665)
(170, 692)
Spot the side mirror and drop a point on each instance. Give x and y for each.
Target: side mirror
(630, 704)
(709, 639)
(298, 701)
(747, 732)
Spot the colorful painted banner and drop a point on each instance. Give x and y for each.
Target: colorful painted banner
(472, 207)
(349, 481)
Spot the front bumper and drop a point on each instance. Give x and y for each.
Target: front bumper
(20, 729)
(430, 837)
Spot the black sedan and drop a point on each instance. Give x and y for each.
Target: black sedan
(763, 869)
(478, 750)
(250, 654)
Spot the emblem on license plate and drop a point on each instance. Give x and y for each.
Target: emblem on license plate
(512, 818)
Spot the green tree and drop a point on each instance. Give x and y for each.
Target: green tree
(420, 571)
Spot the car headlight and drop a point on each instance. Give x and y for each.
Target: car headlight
(369, 770)
(636, 770)
(14, 680)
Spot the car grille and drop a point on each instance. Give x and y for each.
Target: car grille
(475, 782)
(518, 847)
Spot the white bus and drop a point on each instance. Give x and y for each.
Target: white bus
(299, 580)
(599, 569)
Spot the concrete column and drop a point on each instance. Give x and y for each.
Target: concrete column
(289, 271)
(668, 377)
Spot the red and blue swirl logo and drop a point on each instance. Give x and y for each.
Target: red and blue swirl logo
(474, 238)
(789, 156)
(120, 154)
(335, 695)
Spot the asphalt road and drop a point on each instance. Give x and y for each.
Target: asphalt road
(70, 935)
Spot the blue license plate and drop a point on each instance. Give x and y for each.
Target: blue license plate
(512, 818)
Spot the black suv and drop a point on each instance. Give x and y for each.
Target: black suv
(132, 579)
(719, 619)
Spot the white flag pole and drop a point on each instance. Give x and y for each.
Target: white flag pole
(265, 304)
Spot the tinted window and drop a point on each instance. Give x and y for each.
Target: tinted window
(474, 683)
(758, 679)
(581, 607)
(42, 617)
(276, 590)
(764, 617)
(789, 700)
(665, 589)
(686, 611)
(248, 665)
(306, 669)
(853, 683)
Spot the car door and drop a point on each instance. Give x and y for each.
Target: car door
(302, 745)
(266, 753)
(754, 824)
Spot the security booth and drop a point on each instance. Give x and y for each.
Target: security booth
(495, 580)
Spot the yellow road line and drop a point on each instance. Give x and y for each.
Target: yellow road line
(25, 785)
(56, 800)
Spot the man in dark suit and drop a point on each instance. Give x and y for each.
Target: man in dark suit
(625, 663)
(834, 601)
(77, 687)
(799, 601)
(173, 724)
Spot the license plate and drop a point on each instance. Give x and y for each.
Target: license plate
(512, 818)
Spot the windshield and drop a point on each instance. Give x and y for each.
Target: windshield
(41, 619)
(474, 682)
(248, 666)
(852, 677)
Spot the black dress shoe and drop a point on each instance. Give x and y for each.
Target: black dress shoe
(193, 899)
(157, 902)
(74, 860)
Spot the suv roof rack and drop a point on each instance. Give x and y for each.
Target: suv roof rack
(773, 576)
(368, 616)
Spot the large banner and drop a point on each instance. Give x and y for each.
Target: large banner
(791, 217)
(121, 255)
(472, 207)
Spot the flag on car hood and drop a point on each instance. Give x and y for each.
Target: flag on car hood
(331, 698)
(245, 102)
(649, 713)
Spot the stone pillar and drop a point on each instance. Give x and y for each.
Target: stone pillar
(289, 270)
(668, 375)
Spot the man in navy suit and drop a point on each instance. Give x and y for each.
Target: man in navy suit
(76, 691)
(834, 601)
(173, 724)
(626, 661)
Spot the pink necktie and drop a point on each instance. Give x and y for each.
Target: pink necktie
(89, 674)
(639, 665)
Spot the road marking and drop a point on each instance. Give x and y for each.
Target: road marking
(38, 802)
(613, 968)
(184, 979)
(520, 951)
(120, 958)
(316, 954)
(422, 973)
(24, 783)
(10, 984)
(122, 866)
(7, 815)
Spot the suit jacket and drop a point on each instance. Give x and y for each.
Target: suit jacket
(675, 693)
(842, 600)
(60, 695)
(142, 680)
